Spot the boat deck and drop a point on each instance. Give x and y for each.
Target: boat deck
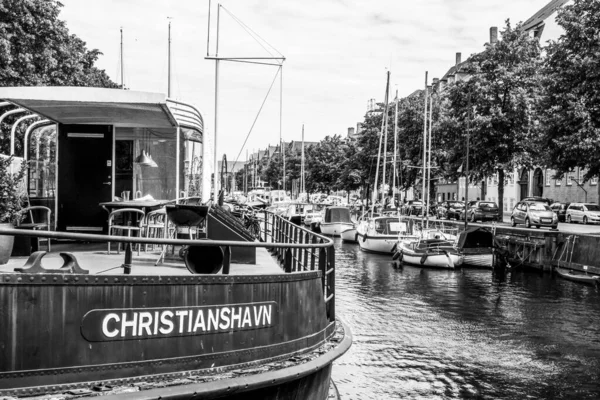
(94, 258)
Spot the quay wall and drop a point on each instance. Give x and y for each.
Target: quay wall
(545, 249)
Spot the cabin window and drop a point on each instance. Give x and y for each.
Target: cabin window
(161, 145)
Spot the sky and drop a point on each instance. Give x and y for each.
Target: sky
(337, 55)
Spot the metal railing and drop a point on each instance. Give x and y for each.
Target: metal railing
(303, 250)
(295, 248)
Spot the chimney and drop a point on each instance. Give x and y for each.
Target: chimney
(493, 35)
(457, 59)
(350, 131)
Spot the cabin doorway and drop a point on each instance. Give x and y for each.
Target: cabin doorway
(85, 177)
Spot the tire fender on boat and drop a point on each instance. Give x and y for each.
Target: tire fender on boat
(424, 258)
(396, 255)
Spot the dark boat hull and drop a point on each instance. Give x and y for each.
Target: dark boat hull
(65, 329)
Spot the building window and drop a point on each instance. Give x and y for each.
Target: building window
(510, 178)
(547, 177)
(570, 177)
(594, 180)
(580, 176)
(558, 182)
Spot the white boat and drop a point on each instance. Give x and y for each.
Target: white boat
(380, 234)
(336, 220)
(350, 235)
(436, 253)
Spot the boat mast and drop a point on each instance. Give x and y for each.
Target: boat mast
(387, 88)
(395, 150)
(302, 183)
(424, 153)
(385, 135)
(280, 123)
(215, 165)
(273, 61)
(429, 156)
(122, 85)
(169, 63)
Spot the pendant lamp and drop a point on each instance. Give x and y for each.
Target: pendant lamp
(145, 159)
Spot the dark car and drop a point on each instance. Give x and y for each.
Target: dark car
(537, 199)
(455, 208)
(481, 210)
(560, 209)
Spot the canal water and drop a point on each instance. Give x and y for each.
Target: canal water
(437, 334)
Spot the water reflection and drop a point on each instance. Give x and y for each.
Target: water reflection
(438, 334)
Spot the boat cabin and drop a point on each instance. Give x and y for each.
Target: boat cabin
(86, 146)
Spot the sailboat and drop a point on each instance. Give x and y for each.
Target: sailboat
(379, 234)
(431, 247)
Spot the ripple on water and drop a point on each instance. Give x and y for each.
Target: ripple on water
(463, 334)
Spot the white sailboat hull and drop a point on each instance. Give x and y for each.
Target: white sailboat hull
(447, 259)
(335, 228)
(349, 235)
(377, 244)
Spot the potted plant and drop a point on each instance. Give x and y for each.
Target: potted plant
(12, 202)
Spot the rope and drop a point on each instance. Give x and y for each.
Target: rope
(256, 118)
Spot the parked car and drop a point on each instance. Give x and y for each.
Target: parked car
(455, 208)
(481, 210)
(584, 213)
(560, 209)
(533, 213)
(537, 199)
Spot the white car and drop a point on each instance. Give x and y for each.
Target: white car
(586, 213)
(312, 217)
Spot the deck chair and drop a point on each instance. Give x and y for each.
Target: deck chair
(128, 223)
(37, 218)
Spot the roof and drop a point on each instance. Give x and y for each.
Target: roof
(297, 145)
(546, 11)
(87, 105)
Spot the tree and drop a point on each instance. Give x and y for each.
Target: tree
(570, 107)
(324, 164)
(36, 48)
(495, 107)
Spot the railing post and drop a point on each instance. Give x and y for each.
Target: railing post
(331, 275)
(323, 268)
(287, 261)
(312, 253)
(301, 261)
(295, 251)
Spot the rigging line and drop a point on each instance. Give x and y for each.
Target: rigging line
(249, 31)
(253, 62)
(252, 33)
(257, 115)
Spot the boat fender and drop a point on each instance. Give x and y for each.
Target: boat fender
(395, 246)
(396, 255)
(356, 237)
(365, 238)
(423, 258)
